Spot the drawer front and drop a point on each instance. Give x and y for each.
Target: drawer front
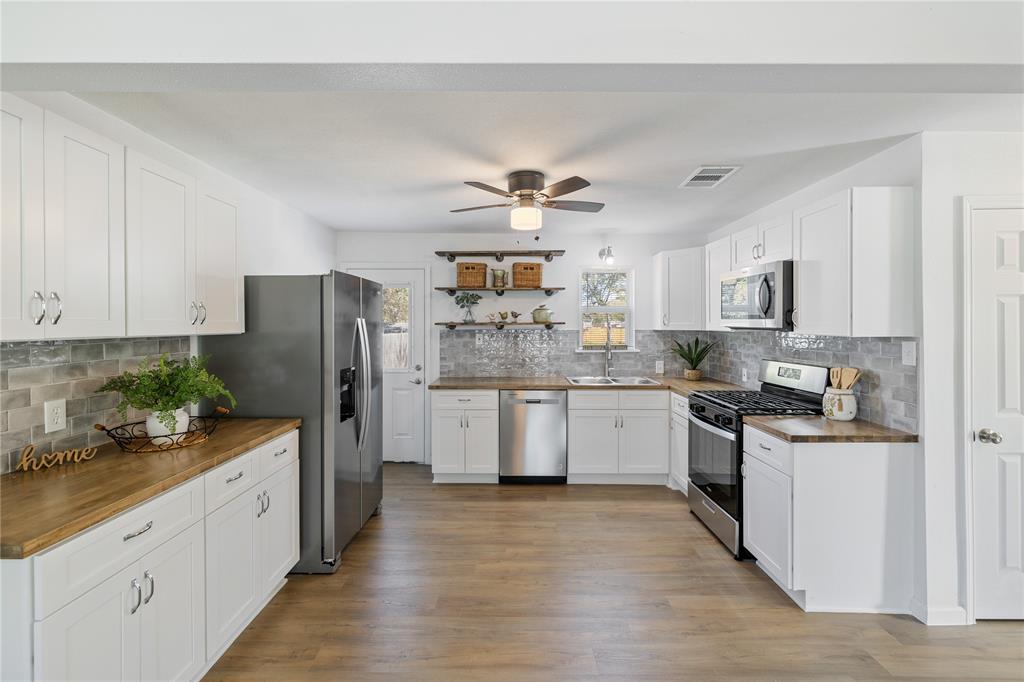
(680, 405)
(231, 479)
(72, 568)
(593, 400)
(643, 400)
(769, 449)
(277, 454)
(464, 400)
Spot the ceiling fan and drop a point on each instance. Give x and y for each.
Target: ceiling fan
(527, 195)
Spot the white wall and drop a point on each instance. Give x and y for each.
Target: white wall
(276, 238)
(954, 165)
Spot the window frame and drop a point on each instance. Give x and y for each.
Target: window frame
(629, 309)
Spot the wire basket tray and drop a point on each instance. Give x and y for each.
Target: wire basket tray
(133, 437)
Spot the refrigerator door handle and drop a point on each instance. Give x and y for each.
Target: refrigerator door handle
(367, 382)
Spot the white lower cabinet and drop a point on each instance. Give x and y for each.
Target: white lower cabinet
(278, 546)
(618, 441)
(593, 442)
(481, 441)
(464, 439)
(679, 444)
(768, 518)
(643, 442)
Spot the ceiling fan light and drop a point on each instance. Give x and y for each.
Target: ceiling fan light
(526, 218)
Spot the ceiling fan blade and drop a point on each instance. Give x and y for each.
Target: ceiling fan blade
(585, 206)
(488, 188)
(477, 208)
(564, 187)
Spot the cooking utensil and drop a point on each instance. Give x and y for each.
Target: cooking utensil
(849, 377)
(834, 376)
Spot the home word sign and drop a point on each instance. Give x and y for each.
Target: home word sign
(29, 461)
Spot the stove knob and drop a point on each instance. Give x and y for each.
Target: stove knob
(697, 409)
(726, 421)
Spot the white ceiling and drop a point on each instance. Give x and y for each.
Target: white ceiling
(396, 161)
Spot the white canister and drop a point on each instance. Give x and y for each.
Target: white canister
(839, 404)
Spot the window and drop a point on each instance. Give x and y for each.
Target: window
(606, 309)
(396, 327)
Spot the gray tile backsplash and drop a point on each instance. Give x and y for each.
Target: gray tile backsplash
(33, 372)
(886, 394)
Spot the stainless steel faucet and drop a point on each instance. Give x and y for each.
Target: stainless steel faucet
(608, 346)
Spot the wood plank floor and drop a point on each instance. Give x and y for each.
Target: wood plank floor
(574, 583)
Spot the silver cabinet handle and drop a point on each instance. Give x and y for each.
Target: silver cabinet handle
(743, 470)
(148, 577)
(266, 499)
(137, 588)
(232, 479)
(990, 436)
(60, 307)
(38, 296)
(280, 452)
(202, 307)
(460, 421)
(416, 381)
(192, 306)
(137, 533)
(464, 400)
(764, 447)
(753, 251)
(259, 499)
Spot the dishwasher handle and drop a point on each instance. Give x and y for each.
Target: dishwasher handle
(533, 401)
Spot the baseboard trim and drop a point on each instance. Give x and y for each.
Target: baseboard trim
(465, 478)
(951, 615)
(618, 479)
(682, 486)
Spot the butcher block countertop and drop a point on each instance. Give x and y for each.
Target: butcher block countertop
(42, 508)
(817, 429)
(679, 385)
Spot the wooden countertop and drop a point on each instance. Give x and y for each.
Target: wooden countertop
(42, 508)
(817, 429)
(677, 384)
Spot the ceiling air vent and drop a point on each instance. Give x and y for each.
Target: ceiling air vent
(708, 176)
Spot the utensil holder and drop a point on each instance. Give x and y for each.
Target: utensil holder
(839, 404)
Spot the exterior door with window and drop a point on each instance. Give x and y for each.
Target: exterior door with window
(404, 352)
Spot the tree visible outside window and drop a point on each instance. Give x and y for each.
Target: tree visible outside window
(606, 309)
(396, 327)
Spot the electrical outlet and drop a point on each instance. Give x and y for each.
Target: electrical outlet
(56, 414)
(659, 366)
(910, 352)
(743, 374)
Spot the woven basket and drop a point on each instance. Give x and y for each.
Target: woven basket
(473, 275)
(527, 275)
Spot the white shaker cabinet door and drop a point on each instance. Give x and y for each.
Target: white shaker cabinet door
(716, 262)
(481, 441)
(173, 611)
(643, 442)
(279, 526)
(160, 228)
(683, 300)
(821, 237)
(95, 637)
(679, 437)
(84, 242)
(776, 239)
(21, 220)
(744, 248)
(593, 442)
(219, 282)
(447, 442)
(768, 518)
(233, 579)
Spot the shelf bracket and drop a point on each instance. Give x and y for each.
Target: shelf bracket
(549, 292)
(550, 257)
(499, 325)
(451, 292)
(450, 325)
(451, 258)
(549, 326)
(500, 292)
(499, 256)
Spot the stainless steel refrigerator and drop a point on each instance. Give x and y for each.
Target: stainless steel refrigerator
(312, 348)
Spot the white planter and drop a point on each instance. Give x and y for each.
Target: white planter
(839, 404)
(155, 427)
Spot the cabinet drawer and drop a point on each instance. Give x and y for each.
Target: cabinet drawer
(769, 449)
(643, 400)
(464, 400)
(86, 560)
(680, 405)
(277, 454)
(593, 400)
(231, 479)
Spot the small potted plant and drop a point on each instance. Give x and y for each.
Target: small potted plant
(466, 300)
(166, 387)
(693, 354)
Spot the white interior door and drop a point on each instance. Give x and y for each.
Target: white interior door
(404, 354)
(997, 420)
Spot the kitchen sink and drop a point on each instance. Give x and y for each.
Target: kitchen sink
(612, 381)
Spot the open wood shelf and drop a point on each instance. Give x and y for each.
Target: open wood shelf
(546, 254)
(500, 291)
(497, 325)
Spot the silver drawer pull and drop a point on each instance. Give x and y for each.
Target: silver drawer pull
(232, 479)
(137, 533)
(764, 447)
(280, 452)
(464, 400)
(709, 507)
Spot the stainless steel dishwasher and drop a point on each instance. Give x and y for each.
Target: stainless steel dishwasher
(532, 437)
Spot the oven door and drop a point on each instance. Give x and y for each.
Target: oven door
(715, 464)
(759, 297)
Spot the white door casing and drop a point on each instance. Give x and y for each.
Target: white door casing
(405, 356)
(994, 371)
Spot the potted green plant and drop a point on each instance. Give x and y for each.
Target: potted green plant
(693, 354)
(165, 387)
(466, 300)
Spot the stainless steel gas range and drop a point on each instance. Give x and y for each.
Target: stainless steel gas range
(716, 440)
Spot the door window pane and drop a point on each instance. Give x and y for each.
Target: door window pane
(397, 313)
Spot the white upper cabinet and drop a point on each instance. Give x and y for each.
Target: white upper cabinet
(679, 289)
(716, 262)
(822, 273)
(762, 243)
(160, 221)
(84, 232)
(219, 283)
(22, 310)
(743, 247)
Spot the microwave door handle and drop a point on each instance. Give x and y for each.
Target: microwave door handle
(762, 288)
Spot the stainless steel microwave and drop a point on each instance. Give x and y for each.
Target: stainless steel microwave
(758, 297)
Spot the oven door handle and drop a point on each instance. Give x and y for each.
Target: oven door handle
(728, 435)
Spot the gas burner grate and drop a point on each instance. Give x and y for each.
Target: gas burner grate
(755, 402)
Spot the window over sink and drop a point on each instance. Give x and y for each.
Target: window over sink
(606, 309)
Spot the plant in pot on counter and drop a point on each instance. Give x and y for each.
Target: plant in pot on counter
(165, 387)
(693, 354)
(466, 300)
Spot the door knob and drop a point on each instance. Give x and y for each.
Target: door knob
(416, 381)
(990, 436)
